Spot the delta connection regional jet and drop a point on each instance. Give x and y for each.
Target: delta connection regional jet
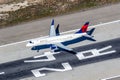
(56, 40)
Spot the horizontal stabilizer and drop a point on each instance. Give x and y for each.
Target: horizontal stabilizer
(91, 31)
(89, 37)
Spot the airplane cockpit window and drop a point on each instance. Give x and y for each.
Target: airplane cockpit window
(31, 42)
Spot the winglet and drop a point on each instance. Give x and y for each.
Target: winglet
(57, 30)
(52, 23)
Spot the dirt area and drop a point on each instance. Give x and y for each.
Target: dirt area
(26, 10)
(11, 5)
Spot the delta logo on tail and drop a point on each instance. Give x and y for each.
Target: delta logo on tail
(84, 28)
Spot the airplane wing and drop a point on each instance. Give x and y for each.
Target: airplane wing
(55, 32)
(63, 47)
(60, 45)
(52, 29)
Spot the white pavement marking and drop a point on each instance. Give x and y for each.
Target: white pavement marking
(46, 53)
(111, 77)
(94, 53)
(20, 42)
(108, 47)
(1, 73)
(63, 32)
(36, 72)
(49, 56)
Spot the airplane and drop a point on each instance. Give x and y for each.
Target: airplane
(55, 40)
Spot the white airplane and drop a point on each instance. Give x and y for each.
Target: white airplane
(55, 39)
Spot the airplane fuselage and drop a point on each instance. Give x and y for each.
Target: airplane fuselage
(54, 39)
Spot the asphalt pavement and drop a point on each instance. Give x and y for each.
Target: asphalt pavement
(18, 69)
(91, 68)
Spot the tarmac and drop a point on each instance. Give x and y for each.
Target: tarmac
(66, 66)
(14, 39)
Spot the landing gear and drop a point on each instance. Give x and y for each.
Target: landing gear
(37, 50)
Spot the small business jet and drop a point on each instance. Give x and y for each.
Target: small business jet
(56, 40)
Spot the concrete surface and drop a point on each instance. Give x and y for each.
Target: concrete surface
(19, 50)
(68, 22)
(81, 69)
(40, 27)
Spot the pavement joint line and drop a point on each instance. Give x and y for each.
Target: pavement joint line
(61, 33)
